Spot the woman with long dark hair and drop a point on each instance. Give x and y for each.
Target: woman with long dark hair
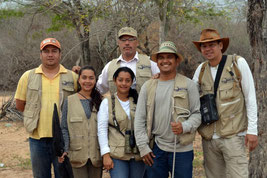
(115, 129)
(79, 127)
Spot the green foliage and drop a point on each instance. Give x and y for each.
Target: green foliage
(59, 21)
(7, 13)
(197, 12)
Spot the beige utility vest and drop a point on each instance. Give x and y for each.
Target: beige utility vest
(32, 109)
(229, 101)
(143, 72)
(180, 96)
(83, 134)
(115, 139)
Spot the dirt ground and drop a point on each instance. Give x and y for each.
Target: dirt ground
(15, 155)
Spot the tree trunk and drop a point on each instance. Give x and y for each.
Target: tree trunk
(163, 20)
(86, 49)
(257, 29)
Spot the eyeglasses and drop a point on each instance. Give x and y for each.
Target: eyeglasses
(129, 39)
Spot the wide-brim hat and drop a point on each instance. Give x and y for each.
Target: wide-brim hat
(209, 35)
(50, 41)
(167, 47)
(127, 31)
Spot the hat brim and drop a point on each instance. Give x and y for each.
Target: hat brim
(51, 44)
(225, 42)
(154, 56)
(127, 34)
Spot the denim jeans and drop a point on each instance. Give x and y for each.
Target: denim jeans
(127, 169)
(42, 157)
(163, 164)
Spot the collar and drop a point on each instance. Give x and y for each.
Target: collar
(135, 58)
(62, 69)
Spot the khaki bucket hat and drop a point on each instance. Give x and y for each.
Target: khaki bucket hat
(127, 31)
(209, 35)
(167, 47)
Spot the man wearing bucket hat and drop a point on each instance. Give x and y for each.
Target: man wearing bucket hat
(167, 114)
(234, 123)
(140, 64)
(37, 91)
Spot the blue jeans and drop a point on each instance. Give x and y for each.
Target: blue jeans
(163, 164)
(42, 157)
(127, 169)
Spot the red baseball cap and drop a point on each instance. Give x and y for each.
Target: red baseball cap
(50, 41)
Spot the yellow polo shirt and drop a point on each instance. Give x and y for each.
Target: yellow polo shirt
(50, 95)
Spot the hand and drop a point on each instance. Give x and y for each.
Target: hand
(107, 162)
(148, 159)
(76, 69)
(156, 76)
(251, 141)
(177, 128)
(62, 158)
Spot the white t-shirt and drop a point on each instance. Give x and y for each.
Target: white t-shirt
(102, 121)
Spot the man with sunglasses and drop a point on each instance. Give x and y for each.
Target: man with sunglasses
(140, 64)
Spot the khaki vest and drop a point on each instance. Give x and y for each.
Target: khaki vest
(83, 134)
(32, 109)
(115, 139)
(143, 72)
(229, 101)
(180, 95)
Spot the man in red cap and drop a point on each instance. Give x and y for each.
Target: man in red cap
(37, 91)
(228, 108)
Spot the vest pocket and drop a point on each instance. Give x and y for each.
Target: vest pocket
(180, 103)
(76, 142)
(77, 137)
(67, 90)
(227, 92)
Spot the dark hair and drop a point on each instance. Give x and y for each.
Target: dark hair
(132, 92)
(95, 94)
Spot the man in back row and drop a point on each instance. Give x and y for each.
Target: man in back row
(224, 140)
(140, 64)
(37, 91)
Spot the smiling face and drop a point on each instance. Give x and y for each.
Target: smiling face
(127, 45)
(123, 82)
(50, 56)
(212, 51)
(167, 63)
(87, 80)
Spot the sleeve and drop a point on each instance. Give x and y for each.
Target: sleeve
(21, 91)
(154, 68)
(141, 136)
(102, 125)
(102, 83)
(248, 89)
(64, 126)
(194, 119)
(196, 74)
(75, 79)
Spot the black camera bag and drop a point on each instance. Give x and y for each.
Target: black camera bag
(208, 109)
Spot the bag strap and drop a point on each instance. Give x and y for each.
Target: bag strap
(237, 71)
(202, 72)
(218, 74)
(116, 124)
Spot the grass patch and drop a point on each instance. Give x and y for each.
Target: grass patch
(24, 163)
(198, 159)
